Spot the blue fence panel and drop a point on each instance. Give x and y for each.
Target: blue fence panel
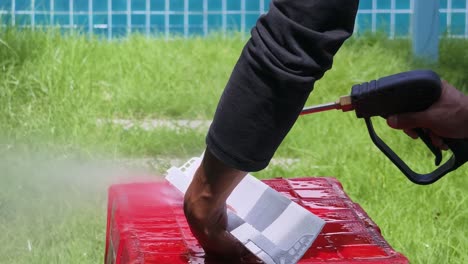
(200, 17)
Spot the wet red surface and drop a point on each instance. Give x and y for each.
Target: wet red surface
(146, 224)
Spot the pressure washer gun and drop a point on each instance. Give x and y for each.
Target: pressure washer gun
(411, 91)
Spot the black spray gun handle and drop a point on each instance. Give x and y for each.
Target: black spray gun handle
(406, 92)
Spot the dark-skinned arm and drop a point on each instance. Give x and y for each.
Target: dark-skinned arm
(290, 48)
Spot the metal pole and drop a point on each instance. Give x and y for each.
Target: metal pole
(466, 20)
(33, 16)
(90, 17)
(147, 17)
(392, 19)
(244, 10)
(109, 19)
(70, 11)
(13, 12)
(224, 17)
(426, 30)
(205, 17)
(129, 17)
(166, 19)
(186, 18)
(52, 11)
(374, 16)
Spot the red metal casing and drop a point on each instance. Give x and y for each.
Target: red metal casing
(144, 226)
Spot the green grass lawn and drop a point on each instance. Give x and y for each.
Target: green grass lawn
(57, 160)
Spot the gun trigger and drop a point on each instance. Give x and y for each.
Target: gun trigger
(427, 140)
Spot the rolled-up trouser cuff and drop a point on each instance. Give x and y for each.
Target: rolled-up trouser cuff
(232, 161)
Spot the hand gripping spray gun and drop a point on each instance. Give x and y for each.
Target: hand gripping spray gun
(411, 91)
